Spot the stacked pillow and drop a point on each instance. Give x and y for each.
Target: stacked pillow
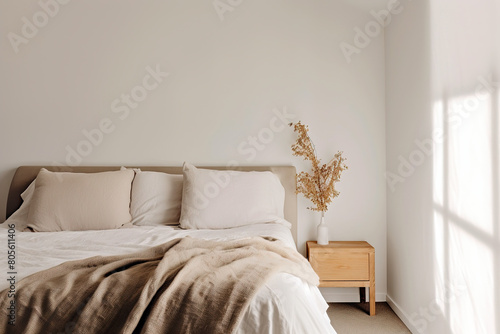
(156, 198)
(197, 199)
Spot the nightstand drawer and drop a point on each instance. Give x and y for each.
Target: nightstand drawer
(340, 267)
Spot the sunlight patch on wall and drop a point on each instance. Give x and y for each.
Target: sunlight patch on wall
(463, 223)
(470, 266)
(438, 168)
(439, 259)
(470, 192)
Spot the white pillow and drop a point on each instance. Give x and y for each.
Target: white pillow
(20, 217)
(224, 199)
(156, 198)
(79, 201)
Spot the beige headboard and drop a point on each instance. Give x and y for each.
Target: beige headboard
(26, 174)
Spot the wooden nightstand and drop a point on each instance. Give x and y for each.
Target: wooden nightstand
(345, 264)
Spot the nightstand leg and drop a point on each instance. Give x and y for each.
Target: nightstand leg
(372, 283)
(362, 295)
(372, 300)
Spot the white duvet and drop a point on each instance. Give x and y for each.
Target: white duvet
(285, 304)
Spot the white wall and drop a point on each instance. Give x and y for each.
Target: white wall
(225, 78)
(409, 206)
(442, 101)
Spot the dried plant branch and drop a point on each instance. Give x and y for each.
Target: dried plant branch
(319, 185)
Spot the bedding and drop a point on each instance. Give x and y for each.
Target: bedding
(186, 285)
(284, 304)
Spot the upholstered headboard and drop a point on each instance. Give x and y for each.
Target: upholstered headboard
(26, 174)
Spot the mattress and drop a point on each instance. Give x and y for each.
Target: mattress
(285, 304)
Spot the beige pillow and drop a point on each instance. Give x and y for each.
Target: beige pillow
(80, 201)
(156, 198)
(213, 199)
(20, 217)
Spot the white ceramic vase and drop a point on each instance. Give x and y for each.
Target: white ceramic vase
(322, 237)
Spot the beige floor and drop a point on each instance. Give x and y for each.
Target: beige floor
(352, 318)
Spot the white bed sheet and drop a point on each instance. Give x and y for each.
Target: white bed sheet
(285, 304)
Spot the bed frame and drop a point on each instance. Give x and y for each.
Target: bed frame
(26, 174)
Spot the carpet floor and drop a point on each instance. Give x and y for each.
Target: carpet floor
(352, 318)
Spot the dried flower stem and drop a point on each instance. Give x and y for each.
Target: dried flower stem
(319, 185)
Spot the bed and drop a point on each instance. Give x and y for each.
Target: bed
(283, 303)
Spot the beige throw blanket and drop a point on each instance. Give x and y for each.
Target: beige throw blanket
(183, 286)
